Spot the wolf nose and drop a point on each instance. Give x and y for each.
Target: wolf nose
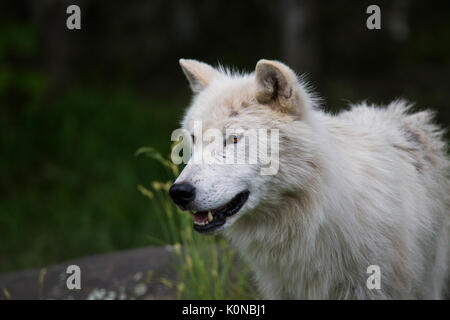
(182, 193)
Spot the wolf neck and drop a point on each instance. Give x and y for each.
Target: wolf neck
(294, 232)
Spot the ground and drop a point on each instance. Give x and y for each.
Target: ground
(145, 273)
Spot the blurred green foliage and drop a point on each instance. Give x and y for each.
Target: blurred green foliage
(67, 165)
(69, 175)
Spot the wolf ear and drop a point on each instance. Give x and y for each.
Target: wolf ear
(199, 74)
(278, 86)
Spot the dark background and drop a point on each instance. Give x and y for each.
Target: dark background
(76, 104)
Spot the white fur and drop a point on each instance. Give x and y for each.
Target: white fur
(369, 186)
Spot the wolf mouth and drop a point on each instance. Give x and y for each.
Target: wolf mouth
(209, 221)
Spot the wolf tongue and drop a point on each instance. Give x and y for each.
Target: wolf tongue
(201, 216)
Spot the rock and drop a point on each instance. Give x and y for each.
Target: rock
(132, 274)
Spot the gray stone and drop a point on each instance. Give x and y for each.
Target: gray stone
(133, 274)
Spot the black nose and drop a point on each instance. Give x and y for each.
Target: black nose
(182, 193)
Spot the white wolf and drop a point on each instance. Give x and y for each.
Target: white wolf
(369, 186)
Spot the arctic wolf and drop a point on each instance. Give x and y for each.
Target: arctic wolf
(367, 188)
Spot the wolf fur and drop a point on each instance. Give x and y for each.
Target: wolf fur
(368, 186)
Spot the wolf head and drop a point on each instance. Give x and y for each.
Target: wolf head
(255, 131)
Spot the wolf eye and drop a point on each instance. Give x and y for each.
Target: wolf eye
(193, 138)
(231, 139)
